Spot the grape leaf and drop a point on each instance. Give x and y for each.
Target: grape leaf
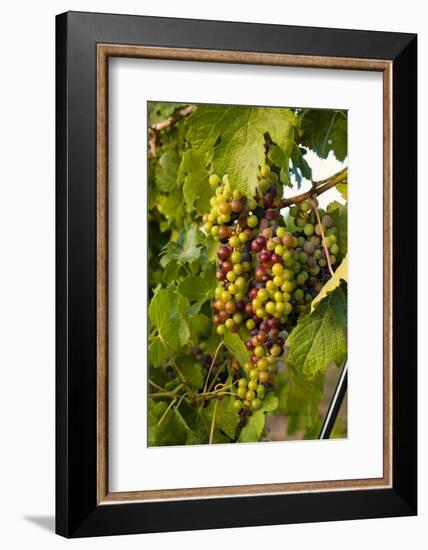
(256, 422)
(172, 328)
(194, 176)
(280, 156)
(303, 398)
(187, 252)
(326, 130)
(231, 139)
(200, 328)
(172, 430)
(320, 337)
(158, 353)
(199, 287)
(236, 347)
(191, 245)
(171, 207)
(166, 170)
(192, 371)
(226, 419)
(341, 273)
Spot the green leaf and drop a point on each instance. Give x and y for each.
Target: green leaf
(343, 189)
(171, 206)
(200, 328)
(303, 398)
(192, 372)
(253, 430)
(191, 245)
(173, 430)
(326, 130)
(163, 314)
(320, 337)
(198, 288)
(166, 170)
(236, 347)
(157, 352)
(341, 273)
(194, 176)
(301, 168)
(280, 156)
(231, 138)
(226, 419)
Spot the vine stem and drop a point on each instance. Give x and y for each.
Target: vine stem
(173, 363)
(165, 413)
(327, 253)
(157, 386)
(155, 129)
(212, 366)
(166, 393)
(213, 423)
(220, 370)
(318, 187)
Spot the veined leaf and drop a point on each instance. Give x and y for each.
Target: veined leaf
(341, 273)
(172, 329)
(236, 347)
(231, 138)
(256, 422)
(320, 337)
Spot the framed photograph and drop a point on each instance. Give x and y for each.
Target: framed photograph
(236, 274)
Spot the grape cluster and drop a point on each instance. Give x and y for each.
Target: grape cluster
(266, 275)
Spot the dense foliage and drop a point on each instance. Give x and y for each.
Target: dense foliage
(248, 292)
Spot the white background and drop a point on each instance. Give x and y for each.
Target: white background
(27, 275)
(133, 466)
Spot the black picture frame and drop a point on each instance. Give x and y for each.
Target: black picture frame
(78, 513)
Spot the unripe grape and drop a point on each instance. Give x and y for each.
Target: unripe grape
(241, 392)
(250, 395)
(256, 403)
(243, 237)
(254, 374)
(221, 329)
(252, 385)
(230, 276)
(259, 351)
(308, 229)
(334, 249)
(263, 375)
(270, 308)
(270, 286)
(277, 280)
(277, 269)
(237, 404)
(214, 180)
(327, 221)
(298, 294)
(287, 286)
(229, 323)
(250, 324)
(265, 170)
(252, 221)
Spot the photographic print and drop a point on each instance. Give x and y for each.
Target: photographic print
(247, 272)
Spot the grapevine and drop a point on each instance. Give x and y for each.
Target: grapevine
(237, 283)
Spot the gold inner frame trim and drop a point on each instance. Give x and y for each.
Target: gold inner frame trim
(104, 51)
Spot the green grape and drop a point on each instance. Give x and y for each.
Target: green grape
(214, 180)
